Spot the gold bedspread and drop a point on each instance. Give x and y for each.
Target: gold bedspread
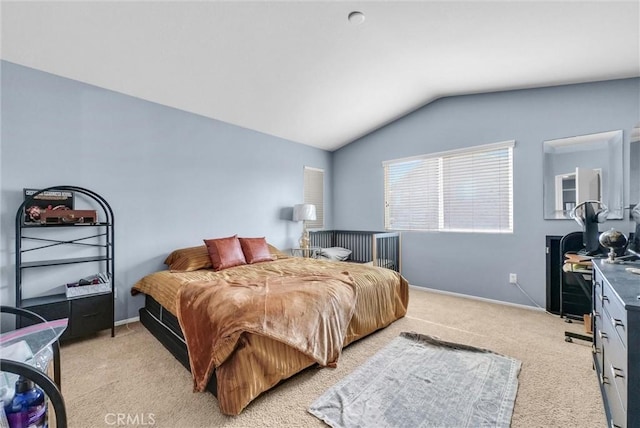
(308, 313)
(259, 362)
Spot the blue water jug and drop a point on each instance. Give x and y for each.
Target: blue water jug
(28, 407)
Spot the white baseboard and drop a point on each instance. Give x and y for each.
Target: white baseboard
(127, 321)
(482, 299)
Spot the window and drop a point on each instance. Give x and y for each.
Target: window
(467, 190)
(314, 194)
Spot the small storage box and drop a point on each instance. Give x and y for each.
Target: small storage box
(587, 323)
(85, 290)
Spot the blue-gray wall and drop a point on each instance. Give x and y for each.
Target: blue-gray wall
(171, 177)
(174, 178)
(479, 264)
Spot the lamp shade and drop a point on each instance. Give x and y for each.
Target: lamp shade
(302, 212)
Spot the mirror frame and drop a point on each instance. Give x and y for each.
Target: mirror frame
(595, 164)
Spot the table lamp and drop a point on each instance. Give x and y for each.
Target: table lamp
(304, 213)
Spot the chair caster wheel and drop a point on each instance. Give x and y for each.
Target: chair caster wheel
(568, 339)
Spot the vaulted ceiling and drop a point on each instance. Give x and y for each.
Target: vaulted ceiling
(301, 70)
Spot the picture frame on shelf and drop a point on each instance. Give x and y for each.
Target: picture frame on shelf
(48, 200)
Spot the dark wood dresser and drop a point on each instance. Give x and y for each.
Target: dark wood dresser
(616, 341)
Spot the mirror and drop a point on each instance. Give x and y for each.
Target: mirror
(581, 168)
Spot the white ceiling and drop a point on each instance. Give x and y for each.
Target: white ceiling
(301, 71)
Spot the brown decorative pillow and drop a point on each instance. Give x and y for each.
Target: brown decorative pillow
(189, 259)
(255, 250)
(225, 252)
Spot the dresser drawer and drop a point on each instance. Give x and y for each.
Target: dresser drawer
(596, 314)
(597, 291)
(605, 337)
(613, 311)
(90, 314)
(618, 415)
(596, 319)
(615, 370)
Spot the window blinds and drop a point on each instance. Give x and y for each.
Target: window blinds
(468, 190)
(314, 194)
(412, 193)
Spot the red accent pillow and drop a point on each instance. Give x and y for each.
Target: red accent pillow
(225, 252)
(255, 250)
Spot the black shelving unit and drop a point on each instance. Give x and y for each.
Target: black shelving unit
(88, 313)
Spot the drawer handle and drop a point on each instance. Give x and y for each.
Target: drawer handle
(596, 314)
(604, 380)
(602, 334)
(595, 349)
(603, 298)
(617, 372)
(616, 322)
(95, 314)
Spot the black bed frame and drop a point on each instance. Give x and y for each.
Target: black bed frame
(165, 327)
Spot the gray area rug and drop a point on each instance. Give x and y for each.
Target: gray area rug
(420, 381)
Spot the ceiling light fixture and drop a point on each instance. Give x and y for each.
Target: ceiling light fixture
(356, 17)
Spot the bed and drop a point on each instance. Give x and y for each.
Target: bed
(248, 357)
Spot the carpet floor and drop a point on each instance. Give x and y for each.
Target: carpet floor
(133, 380)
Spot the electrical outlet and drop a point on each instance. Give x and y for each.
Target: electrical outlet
(513, 278)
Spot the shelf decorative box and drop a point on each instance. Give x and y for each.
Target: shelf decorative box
(50, 200)
(85, 290)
